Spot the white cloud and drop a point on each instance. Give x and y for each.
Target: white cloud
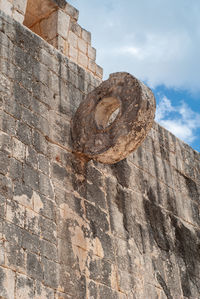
(163, 109)
(157, 41)
(182, 121)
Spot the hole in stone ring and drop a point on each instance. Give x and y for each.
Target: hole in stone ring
(106, 112)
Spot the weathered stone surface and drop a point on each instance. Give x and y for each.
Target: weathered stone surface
(70, 229)
(7, 283)
(24, 287)
(34, 267)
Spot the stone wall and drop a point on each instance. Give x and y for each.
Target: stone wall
(75, 230)
(14, 8)
(56, 21)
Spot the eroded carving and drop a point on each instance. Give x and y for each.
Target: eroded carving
(114, 119)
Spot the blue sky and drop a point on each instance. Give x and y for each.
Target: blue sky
(157, 41)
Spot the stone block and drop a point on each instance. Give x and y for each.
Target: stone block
(31, 242)
(91, 53)
(31, 157)
(42, 93)
(99, 71)
(63, 24)
(43, 164)
(82, 45)
(5, 82)
(61, 132)
(6, 52)
(49, 250)
(44, 206)
(23, 60)
(126, 281)
(76, 204)
(73, 40)
(86, 36)
(24, 133)
(72, 283)
(97, 216)
(48, 229)
(66, 255)
(116, 216)
(32, 222)
(51, 273)
(102, 244)
(13, 234)
(15, 257)
(122, 252)
(2, 206)
(60, 295)
(5, 143)
(172, 275)
(42, 291)
(13, 108)
(92, 289)
(6, 7)
(34, 267)
(20, 5)
(4, 163)
(23, 194)
(96, 195)
(2, 253)
(1, 228)
(54, 83)
(41, 74)
(6, 186)
(47, 59)
(45, 186)
(105, 292)
(102, 271)
(75, 28)
(49, 26)
(31, 177)
(24, 287)
(94, 175)
(5, 41)
(71, 11)
(92, 66)
(7, 123)
(39, 107)
(59, 172)
(15, 213)
(40, 143)
(24, 78)
(82, 60)
(7, 283)
(60, 43)
(152, 292)
(30, 118)
(21, 95)
(19, 17)
(15, 171)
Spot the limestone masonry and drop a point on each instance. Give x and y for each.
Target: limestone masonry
(56, 22)
(71, 229)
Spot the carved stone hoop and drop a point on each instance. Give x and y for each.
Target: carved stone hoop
(113, 119)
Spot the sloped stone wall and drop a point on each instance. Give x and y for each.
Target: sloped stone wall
(70, 229)
(56, 21)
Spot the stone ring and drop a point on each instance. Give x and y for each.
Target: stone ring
(113, 119)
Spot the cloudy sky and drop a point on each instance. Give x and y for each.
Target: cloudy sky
(157, 41)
